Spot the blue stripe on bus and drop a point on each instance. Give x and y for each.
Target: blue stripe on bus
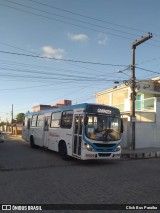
(101, 149)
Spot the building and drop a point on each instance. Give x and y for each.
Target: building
(17, 128)
(147, 107)
(59, 104)
(40, 107)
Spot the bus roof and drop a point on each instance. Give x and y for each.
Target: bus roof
(76, 106)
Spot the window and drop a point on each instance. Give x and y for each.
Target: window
(103, 128)
(55, 120)
(34, 120)
(67, 117)
(40, 121)
(25, 121)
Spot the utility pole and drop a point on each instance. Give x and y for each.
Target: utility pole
(133, 86)
(12, 119)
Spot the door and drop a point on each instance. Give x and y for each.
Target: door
(78, 129)
(26, 129)
(46, 132)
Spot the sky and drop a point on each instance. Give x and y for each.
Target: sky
(71, 49)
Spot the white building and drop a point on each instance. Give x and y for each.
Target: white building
(147, 111)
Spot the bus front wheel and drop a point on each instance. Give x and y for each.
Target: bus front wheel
(63, 150)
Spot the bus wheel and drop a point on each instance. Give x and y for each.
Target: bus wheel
(63, 150)
(32, 144)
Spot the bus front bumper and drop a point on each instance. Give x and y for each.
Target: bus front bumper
(101, 155)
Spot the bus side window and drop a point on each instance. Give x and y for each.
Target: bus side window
(34, 121)
(55, 120)
(67, 117)
(40, 121)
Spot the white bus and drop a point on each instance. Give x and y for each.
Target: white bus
(84, 131)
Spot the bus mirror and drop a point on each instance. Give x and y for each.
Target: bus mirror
(86, 120)
(122, 126)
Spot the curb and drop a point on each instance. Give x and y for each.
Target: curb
(141, 155)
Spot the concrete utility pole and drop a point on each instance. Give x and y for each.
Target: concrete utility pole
(133, 86)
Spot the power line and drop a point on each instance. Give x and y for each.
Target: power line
(88, 17)
(62, 21)
(60, 72)
(73, 19)
(9, 45)
(147, 70)
(94, 19)
(69, 60)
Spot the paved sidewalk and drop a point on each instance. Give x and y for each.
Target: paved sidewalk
(142, 153)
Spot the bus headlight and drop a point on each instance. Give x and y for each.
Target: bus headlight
(89, 147)
(118, 148)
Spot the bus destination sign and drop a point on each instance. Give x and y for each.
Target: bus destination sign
(107, 110)
(104, 111)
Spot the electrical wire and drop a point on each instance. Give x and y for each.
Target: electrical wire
(73, 19)
(91, 18)
(70, 60)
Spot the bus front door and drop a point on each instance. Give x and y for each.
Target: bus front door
(46, 132)
(77, 141)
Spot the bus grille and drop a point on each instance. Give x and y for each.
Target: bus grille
(104, 145)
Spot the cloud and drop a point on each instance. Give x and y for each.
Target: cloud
(51, 52)
(78, 37)
(102, 39)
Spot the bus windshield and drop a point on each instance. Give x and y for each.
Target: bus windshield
(103, 127)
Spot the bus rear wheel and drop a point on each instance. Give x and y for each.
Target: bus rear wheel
(63, 150)
(32, 144)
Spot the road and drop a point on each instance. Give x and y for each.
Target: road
(41, 176)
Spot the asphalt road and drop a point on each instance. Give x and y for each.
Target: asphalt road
(41, 176)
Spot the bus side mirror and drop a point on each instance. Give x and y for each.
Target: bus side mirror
(86, 120)
(122, 126)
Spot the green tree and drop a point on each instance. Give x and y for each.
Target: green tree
(19, 118)
(2, 123)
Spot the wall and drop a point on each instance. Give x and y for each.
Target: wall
(103, 99)
(147, 133)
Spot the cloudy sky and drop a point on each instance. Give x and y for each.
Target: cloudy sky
(69, 49)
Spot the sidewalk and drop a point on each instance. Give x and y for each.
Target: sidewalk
(141, 153)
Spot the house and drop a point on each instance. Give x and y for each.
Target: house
(44, 107)
(147, 110)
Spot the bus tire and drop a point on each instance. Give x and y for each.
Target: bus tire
(32, 144)
(63, 150)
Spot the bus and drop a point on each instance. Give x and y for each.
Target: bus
(84, 131)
